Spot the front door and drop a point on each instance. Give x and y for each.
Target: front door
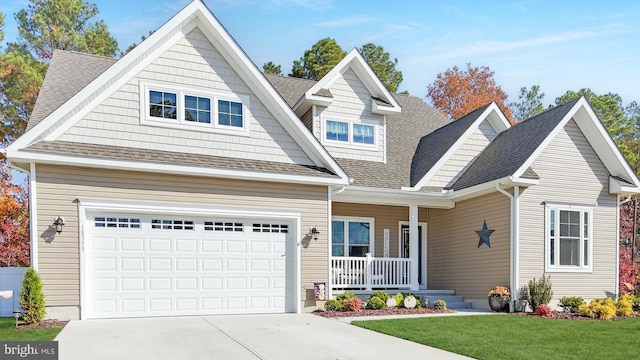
(405, 249)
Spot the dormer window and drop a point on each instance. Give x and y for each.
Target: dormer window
(363, 134)
(337, 130)
(177, 106)
(353, 133)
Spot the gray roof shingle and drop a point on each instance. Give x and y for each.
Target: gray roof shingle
(433, 146)
(291, 89)
(69, 72)
(512, 147)
(107, 152)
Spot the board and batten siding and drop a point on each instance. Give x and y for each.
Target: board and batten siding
(454, 259)
(192, 62)
(464, 156)
(351, 101)
(59, 187)
(385, 217)
(570, 173)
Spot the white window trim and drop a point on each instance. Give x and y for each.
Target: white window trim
(346, 220)
(350, 144)
(180, 122)
(547, 253)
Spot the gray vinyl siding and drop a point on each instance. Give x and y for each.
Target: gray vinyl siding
(570, 173)
(385, 217)
(307, 119)
(464, 156)
(192, 62)
(351, 101)
(454, 259)
(59, 187)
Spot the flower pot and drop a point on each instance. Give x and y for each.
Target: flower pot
(498, 303)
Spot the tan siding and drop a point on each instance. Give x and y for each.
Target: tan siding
(455, 261)
(464, 156)
(195, 63)
(58, 188)
(569, 156)
(385, 217)
(352, 100)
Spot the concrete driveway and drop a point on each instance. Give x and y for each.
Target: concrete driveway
(238, 337)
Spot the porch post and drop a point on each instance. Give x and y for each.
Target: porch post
(413, 244)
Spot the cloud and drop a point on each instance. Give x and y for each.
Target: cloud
(347, 21)
(491, 47)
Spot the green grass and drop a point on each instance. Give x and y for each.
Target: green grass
(518, 337)
(8, 332)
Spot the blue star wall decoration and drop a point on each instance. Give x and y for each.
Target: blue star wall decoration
(484, 235)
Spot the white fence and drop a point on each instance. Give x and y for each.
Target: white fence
(370, 272)
(11, 279)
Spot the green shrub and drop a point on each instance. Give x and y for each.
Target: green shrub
(376, 303)
(440, 305)
(345, 296)
(571, 304)
(382, 295)
(333, 305)
(604, 309)
(352, 304)
(399, 299)
(539, 292)
(624, 306)
(32, 298)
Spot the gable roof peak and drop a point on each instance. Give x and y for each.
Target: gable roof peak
(352, 61)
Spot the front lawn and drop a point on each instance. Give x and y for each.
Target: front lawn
(518, 337)
(8, 332)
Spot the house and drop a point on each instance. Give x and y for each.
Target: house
(182, 181)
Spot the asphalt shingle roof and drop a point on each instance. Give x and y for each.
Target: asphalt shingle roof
(433, 146)
(68, 73)
(107, 152)
(512, 147)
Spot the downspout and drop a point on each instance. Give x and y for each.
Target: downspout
(514, 261)
(620, 203)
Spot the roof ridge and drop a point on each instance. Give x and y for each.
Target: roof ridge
(85, 54)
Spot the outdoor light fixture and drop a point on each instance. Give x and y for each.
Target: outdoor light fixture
(16, 315)
(315, 233)
(58, 223)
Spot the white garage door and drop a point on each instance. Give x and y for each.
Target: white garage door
(159, 265)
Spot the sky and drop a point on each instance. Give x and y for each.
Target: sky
(558, 45)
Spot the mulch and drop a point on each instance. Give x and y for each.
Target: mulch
(386, 311)
(44, 324)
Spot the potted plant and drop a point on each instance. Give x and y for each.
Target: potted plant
(499, 298)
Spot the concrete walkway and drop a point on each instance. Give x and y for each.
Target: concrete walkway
(239, 337)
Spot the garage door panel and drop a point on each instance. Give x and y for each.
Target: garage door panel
(160, 264)
(132, 244)
(159, 245)
(186, 264)
(132, 264)
(188, 270)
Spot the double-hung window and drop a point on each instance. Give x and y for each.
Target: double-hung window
(176, 106)
(351, 236)
(569, 238)
(350, 133)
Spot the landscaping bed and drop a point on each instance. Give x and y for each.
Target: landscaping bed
(385, 311)
(44, 324)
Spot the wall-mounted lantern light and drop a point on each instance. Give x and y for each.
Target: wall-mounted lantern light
(315, 233)
(58, 223)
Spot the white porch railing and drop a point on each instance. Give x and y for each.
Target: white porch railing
(370, 272)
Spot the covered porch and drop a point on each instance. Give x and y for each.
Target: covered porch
(378, 246)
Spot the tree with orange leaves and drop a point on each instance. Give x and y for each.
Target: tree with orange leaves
(458, 92)
(14, 220)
